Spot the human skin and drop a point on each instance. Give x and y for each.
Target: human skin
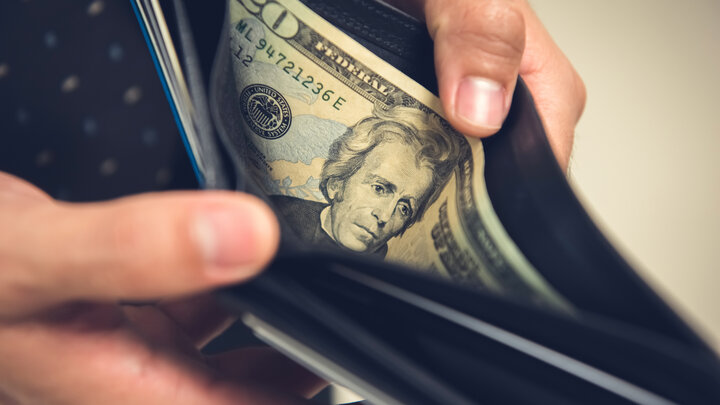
(481, 46)
(376, 202)
(63, 338)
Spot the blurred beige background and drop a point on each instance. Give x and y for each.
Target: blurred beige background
(647, 150)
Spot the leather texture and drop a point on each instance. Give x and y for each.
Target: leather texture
(400, 352)
(528, 189)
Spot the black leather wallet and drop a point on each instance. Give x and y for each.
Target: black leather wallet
(398, 336)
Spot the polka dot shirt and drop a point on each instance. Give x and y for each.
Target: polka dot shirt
(82, 111)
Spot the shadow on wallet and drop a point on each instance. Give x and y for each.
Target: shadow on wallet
(417, 266)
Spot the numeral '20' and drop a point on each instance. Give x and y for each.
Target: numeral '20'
(274, 15)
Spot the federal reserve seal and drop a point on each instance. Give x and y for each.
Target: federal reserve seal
(265, 110)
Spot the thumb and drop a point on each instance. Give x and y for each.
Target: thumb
(141, 247)
(479, 45)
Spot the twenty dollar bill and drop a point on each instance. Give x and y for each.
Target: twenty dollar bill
(356, 155)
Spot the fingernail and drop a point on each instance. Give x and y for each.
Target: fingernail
(230, 237)
(481, 102)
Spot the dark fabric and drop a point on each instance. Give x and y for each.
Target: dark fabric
(82, 112)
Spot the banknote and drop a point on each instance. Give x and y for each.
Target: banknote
(356, 155)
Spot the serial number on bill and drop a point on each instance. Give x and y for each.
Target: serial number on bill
(269, 52)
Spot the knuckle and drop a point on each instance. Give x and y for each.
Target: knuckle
(494, 27)
(500, 12)
(503, 26)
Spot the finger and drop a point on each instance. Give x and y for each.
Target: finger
(184, 325)
(159, 329)
(261, 366)
(142, 247)
(14, 189)
(266, 367)
(110, 365)
(479, 45)
(200, 318)
(557, 88)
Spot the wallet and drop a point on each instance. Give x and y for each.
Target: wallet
(398, 336)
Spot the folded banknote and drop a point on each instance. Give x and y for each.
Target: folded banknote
(417, 265)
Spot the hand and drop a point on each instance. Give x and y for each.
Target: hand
(63, 268)
(480, 48)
